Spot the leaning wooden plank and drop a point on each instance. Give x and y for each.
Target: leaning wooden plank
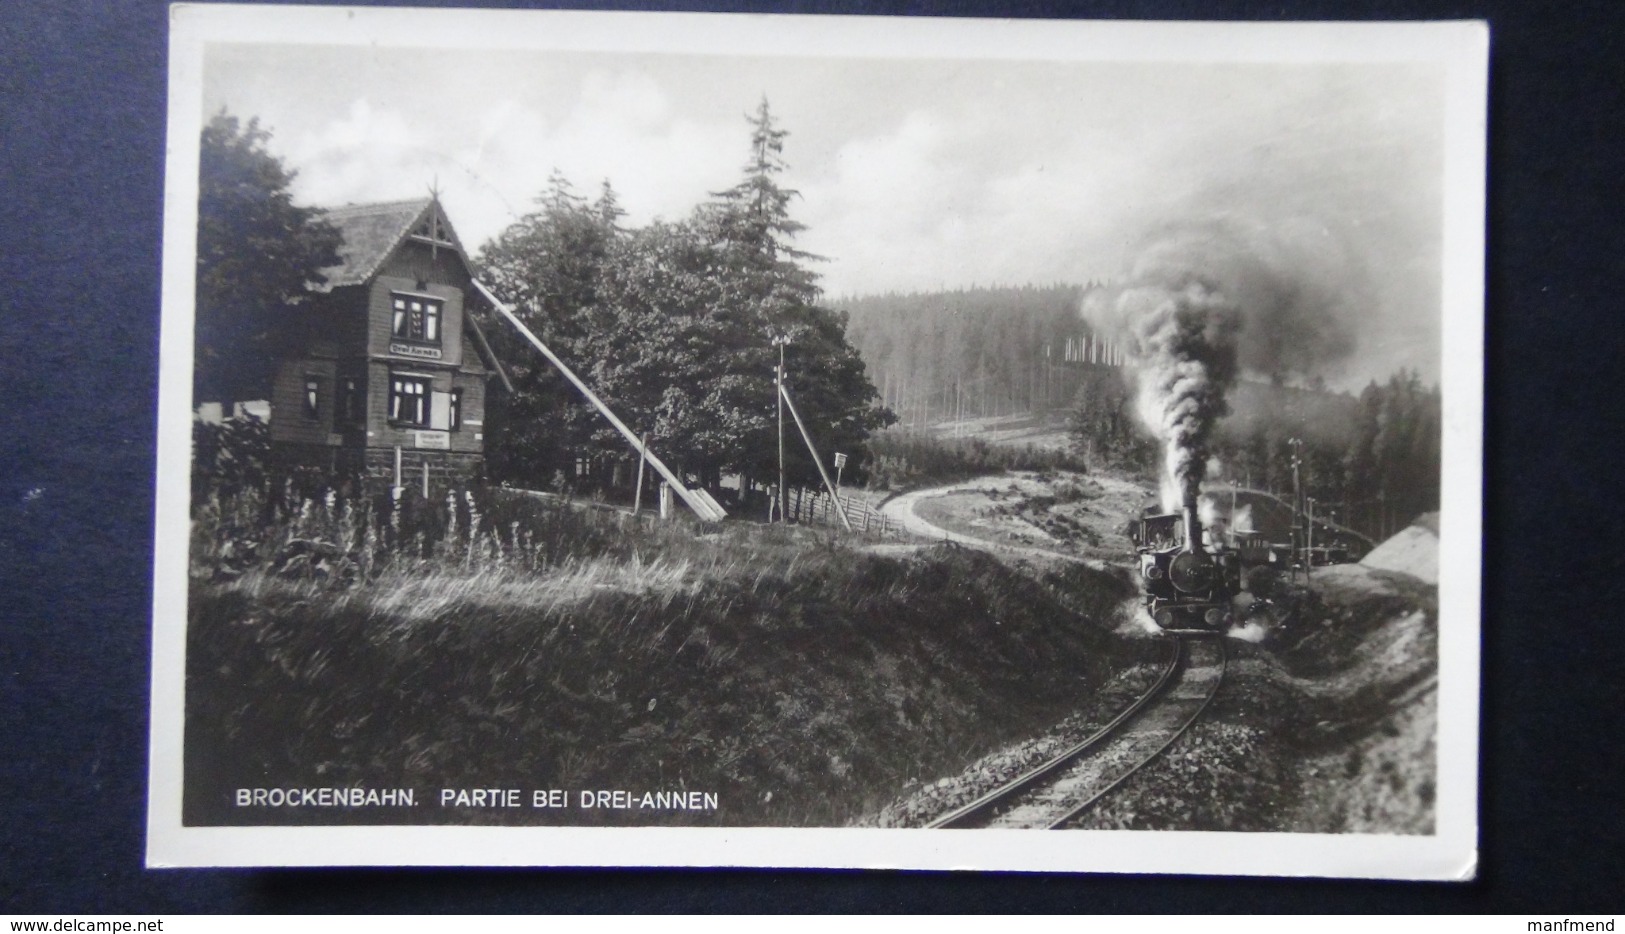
(785, 392)
(705, 496)
(710, 512)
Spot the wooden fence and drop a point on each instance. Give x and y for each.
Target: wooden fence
(819, 508)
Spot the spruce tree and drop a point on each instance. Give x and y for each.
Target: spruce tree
(775, 296)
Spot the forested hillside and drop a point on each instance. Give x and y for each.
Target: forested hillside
(979, 352)
(975, 352)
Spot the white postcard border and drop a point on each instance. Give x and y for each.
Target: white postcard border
(1462, 48)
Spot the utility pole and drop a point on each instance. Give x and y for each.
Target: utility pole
(817, 461)
(1233, 506)
(1309, 560)
(1297, 504)
(697, 500)
(778, 392)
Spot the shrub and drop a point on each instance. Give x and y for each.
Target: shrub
(903, 459)
(230, 456)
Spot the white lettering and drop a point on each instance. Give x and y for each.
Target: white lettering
(480, 797)
(333, 797)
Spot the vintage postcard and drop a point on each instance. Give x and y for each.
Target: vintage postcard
(613, 439)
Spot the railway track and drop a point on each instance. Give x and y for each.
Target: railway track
(1054, 794)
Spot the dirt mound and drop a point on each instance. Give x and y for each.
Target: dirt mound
(1414, 551)
(1366, 651)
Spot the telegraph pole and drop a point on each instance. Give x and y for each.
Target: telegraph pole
(1309, 550)
(1297, 504)
(778, 393)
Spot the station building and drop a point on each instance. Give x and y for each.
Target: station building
(385, 373)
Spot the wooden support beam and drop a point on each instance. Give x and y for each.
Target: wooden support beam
(707, 510)
(784, 391)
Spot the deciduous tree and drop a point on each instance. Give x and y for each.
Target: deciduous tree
(257, 256)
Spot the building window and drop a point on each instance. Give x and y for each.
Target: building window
(313, 396)
(416, 318)
(351, 408)
(456, 411)
(409, 400)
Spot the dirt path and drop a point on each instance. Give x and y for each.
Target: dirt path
(901, 511)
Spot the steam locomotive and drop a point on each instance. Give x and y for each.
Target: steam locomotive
(1188, 584)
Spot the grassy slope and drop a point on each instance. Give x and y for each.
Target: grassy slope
(802, 682)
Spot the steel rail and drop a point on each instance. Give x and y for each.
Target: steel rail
(1004, 799)
(1022, 783)
(1086, 804)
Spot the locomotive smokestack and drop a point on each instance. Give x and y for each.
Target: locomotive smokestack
(1193, 527)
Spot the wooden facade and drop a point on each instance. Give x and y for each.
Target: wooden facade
(387, 366)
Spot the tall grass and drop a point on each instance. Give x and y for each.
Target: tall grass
(481, 535)
(534, 645)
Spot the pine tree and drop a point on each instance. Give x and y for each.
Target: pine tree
(753, 217)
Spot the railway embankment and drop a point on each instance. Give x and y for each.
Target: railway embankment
(800, 681)
(1324, 723)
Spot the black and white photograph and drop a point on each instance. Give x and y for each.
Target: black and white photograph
(629, 439)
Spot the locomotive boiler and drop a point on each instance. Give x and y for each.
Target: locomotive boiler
(1188, 583)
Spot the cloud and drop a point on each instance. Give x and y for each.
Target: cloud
(358, 157)
(625, 128)
(490, 162)
(914, 175)
(941, 197)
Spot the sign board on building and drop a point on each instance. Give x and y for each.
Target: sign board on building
(433, 440)
(414, 350)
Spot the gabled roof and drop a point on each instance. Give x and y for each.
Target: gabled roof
(372, 231)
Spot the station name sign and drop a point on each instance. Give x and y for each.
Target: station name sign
(434, 440)
(414, 350)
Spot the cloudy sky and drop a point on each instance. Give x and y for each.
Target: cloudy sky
(914, 175)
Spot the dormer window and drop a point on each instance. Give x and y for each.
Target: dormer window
(416, 318)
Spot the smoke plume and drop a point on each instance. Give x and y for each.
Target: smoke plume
(1301, 290)
(1242, 521)
(1183, 338)
(1206, 301)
